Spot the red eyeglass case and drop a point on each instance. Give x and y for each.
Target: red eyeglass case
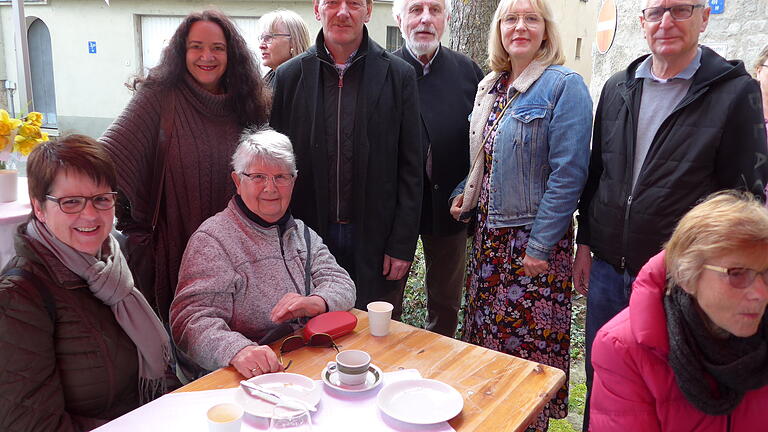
(335, 324)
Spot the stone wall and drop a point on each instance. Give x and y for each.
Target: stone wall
(738, 33)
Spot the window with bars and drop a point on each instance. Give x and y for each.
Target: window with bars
(394, 39)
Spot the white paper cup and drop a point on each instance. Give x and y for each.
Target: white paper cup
(379, 316)
(225, 417)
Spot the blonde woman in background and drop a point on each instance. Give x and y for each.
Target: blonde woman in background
(529, 153)
(284, 35)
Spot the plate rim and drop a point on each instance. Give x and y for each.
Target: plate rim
(405, 382)
(242, 396)
(327, 382)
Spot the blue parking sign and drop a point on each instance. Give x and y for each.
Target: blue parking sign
(718, 6)
(91, 47)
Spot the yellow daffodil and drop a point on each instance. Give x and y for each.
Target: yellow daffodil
(35, 118)
(7, 126)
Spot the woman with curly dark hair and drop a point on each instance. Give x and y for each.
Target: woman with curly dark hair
(172, 144)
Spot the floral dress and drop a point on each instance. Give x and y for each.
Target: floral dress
(508, 311)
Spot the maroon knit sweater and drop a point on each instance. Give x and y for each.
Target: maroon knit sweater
(197, 180)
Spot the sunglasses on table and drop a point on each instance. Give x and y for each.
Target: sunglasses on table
(317, 340)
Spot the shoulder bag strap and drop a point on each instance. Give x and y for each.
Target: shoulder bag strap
(308, 263)
(161, 162)
(48, 301)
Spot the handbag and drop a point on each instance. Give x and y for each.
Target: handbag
(137, 241)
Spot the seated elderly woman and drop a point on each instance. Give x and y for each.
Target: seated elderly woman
(80, 344)
(252, 266)
(690, 353)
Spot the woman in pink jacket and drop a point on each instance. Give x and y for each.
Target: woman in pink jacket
(690, 353)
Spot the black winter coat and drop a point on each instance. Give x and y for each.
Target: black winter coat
(74, 374)
(446, 95)
(388, 160)
(713, 140)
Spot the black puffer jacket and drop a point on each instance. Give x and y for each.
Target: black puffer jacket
(73, 375)
(713, 140)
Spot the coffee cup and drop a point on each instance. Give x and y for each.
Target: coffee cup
(351, 366)
(225, 417)
(379, 316)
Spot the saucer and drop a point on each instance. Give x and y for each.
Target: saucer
(372, 379)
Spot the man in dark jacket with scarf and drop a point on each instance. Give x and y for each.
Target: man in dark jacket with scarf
(669, 130)
(447, 83)
(351, 111)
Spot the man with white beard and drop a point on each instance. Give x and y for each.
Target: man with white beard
(447, 83)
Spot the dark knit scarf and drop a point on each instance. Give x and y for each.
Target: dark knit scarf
(712, 373)
(281, 223)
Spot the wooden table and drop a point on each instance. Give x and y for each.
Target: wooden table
(501, 392)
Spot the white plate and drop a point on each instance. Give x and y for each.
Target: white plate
(288, 384)
(372, 379)
(420, 401)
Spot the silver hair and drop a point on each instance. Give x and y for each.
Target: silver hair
(398, 7)
(263, 145)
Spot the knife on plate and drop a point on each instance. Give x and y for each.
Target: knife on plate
(269, 396)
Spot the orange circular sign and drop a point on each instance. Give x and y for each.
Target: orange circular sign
(606, 26)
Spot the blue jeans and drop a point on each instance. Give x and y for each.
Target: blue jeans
(608, 295)
(341, 243)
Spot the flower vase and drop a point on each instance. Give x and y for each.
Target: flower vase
(9, 179)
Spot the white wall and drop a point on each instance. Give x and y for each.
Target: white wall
(577, 19)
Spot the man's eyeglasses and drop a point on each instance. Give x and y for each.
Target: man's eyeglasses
(530, 20)
(76, 204)
(281, 180)
(739, 277)
(292, 343)
(679, 12)
(268, 38)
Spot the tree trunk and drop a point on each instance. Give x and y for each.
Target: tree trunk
(470, 21)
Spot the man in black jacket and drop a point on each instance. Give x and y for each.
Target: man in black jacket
(447, 83)
(351, 111)
(669, 130)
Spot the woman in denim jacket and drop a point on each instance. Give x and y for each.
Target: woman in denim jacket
(529, 152)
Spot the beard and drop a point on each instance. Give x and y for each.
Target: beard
(420, 48)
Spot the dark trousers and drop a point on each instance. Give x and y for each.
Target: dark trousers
(445, 258)
(341, 243)
(608, 295)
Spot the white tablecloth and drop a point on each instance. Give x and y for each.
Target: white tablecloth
(11, 215)
(337, 412)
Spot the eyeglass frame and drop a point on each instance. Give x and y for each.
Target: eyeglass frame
(727, 271)
(503, 20)
(270, 177)
(351, 4)
(58, 200)
(669, 9)
(271, 37)
(305, 343)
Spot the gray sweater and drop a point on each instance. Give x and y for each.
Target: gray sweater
(234, 272)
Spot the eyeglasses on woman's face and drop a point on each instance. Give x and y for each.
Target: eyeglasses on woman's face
(529, 20)
(678, 12)
(76, 204)
(268, 38)
(739, 277)
(280, 180)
